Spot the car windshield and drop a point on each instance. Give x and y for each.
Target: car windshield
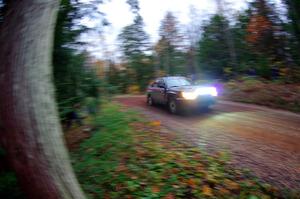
(175, 82)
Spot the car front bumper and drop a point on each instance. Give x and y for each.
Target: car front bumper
(201, 101)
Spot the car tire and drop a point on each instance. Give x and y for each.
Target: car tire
(150, 101)
(173, 106)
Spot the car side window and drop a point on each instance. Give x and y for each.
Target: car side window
(161, 84)
(154, 84)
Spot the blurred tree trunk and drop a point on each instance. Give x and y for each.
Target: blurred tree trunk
(30, 130)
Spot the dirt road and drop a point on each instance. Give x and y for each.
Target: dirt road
(263, 140)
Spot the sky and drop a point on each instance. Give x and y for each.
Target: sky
(118, 14)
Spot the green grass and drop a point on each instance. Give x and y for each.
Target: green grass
(129, 158)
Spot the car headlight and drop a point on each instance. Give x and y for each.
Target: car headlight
(189, 95)
(200, 91)
(208, 91)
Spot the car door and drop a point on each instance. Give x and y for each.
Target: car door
(154, 91)
(161, 91)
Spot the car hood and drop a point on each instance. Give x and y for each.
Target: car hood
(188, 88)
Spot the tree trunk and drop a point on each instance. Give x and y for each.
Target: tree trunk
(30, 130)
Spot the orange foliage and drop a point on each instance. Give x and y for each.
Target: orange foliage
(207, 190)
(155, 123)
(257, 26)
(155, 189)
(192, 183)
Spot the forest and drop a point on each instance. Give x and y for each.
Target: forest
(262, 41)
(46, 78)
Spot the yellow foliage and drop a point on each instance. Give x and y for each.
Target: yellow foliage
(283, 71)
(228, 70)
(155, 123)
(231, 185)
(161, 73)
(134, 89)
(206, 190)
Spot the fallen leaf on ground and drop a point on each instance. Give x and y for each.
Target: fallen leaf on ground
(155, 123)
(224, 191)
(231, 185)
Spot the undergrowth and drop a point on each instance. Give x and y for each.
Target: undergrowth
(129, 157)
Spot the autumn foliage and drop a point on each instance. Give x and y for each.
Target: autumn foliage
(257, 27)
(131, 157)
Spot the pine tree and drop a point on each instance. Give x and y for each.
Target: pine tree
(265, 32)
(134, 43)
(213, 48)
(170, 43)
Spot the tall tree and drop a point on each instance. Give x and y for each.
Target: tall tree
(169, 29)
(213, 50)
(294, 15)
(30, 128)
(134, 5)
(193, 34)
(170, 42)
(245, 55)
(294, 28)
(228, 35)
(264, 30)
(68, 65)
(134, 43)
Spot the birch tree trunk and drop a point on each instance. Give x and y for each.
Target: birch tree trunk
(30, 130)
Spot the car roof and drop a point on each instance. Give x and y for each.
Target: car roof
(173, 77)
(166, 78)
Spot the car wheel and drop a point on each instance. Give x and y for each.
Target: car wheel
(150, 101)
(173, 106)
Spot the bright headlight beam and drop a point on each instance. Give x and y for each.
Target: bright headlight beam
(214, 92)
(207, 91)
(189, 95)
(200, 91)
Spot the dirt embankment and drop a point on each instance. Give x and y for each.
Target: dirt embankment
(282, 96)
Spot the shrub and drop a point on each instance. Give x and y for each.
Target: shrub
(134, 89)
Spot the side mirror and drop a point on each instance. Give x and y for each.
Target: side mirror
(162, 86)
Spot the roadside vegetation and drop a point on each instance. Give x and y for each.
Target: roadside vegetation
(130, 157)
(273, 94)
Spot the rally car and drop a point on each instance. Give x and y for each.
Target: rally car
(179, 94)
